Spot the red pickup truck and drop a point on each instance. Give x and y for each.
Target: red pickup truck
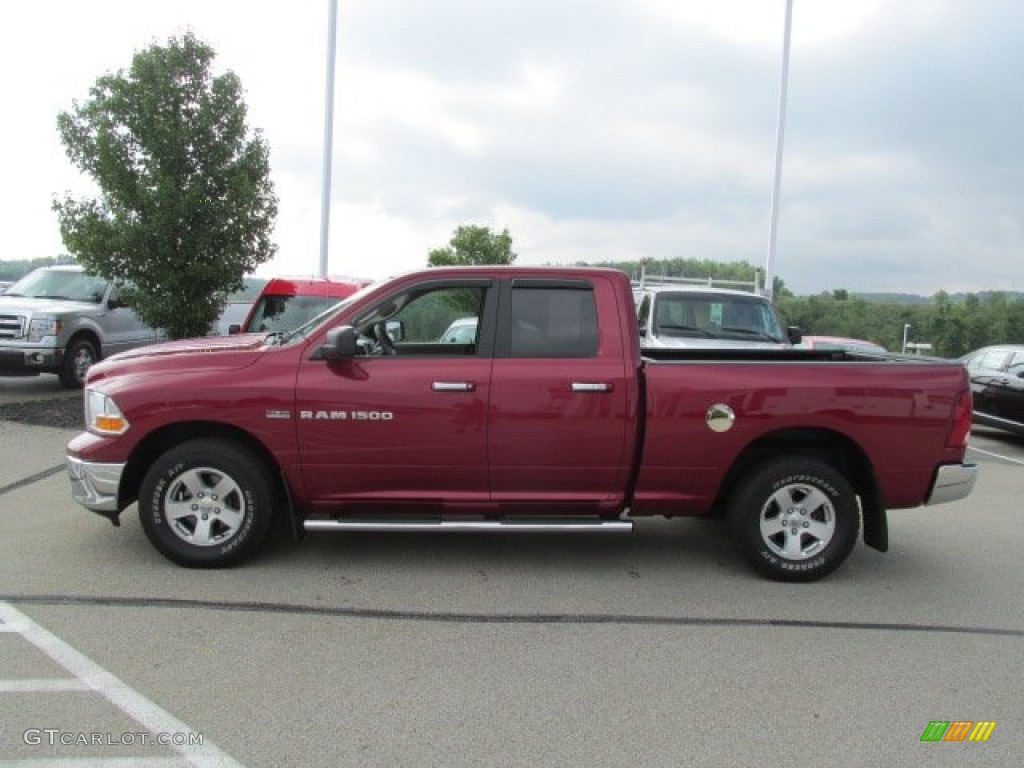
(547, 418)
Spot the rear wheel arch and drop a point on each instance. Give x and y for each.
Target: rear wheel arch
(832, 447)
(837, 450)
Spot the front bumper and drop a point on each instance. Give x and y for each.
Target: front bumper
(95, 485)
(952, 482)
(29, 361)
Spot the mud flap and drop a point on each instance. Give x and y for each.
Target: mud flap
(876, 527)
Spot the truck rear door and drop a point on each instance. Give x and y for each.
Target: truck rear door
(562, 411)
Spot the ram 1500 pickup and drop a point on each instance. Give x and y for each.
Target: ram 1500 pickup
(547, 418)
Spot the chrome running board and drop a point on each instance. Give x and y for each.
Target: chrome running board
(533, 525)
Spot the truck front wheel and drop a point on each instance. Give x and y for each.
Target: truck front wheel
(794, 519)
(205, 504)
(78, 359)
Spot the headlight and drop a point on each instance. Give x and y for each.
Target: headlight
(40, 327)
(102, 415)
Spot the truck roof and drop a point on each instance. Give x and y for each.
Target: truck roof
(308, 285)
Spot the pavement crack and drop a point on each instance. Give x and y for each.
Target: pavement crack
(450, 617)
(32, 479)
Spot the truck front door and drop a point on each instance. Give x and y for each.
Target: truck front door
(403, 427)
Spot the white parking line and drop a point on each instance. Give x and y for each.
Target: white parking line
(996, 455)
(36, 686)
(100, 762)
(88, 675)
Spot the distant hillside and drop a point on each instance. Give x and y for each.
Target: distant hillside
(910, 298)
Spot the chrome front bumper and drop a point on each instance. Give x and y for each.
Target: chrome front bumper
(94, 485)
(952, 482)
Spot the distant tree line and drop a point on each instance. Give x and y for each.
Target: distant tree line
(953, 326)
(15, 269)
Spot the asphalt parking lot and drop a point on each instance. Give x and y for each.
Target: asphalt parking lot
(655, 649)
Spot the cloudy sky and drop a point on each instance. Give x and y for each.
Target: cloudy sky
(591, 129)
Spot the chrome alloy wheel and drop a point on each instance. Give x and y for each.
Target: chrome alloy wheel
(82, 361)
(798, 521)
(204, 506)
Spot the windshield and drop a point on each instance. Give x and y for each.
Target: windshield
(60, 284)
(302, 331)
(273, 314)
(713, 315)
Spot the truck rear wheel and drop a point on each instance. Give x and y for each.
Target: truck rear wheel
(205, 504)
(794, 518)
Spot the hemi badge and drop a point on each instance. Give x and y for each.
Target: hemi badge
(278, 414)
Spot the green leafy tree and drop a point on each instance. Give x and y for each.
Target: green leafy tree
(472, 245)
(186, 205)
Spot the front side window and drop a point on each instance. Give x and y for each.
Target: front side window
(436, 319)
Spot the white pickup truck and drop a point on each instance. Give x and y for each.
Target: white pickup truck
(677, 315)
(61, 320)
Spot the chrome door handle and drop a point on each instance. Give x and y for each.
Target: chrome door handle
(591, 386)
(453, 386)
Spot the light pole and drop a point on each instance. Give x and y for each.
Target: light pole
(325, 193)
(906, 329)
(780, 140)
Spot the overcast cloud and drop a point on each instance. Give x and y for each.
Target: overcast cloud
(591, 129)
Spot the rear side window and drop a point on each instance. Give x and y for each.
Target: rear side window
(553, 322)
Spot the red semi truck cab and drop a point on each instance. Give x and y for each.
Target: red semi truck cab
(544, 417)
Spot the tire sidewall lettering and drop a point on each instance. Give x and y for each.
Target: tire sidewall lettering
(813, 480)
(156, 502)
(242, 534)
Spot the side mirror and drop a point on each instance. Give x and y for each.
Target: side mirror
(341, 344)
(234, 328)
(794, 334)
(115, 302)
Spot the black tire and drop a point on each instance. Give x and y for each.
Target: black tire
(206, 504)
(78, 358)
(794, 518)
